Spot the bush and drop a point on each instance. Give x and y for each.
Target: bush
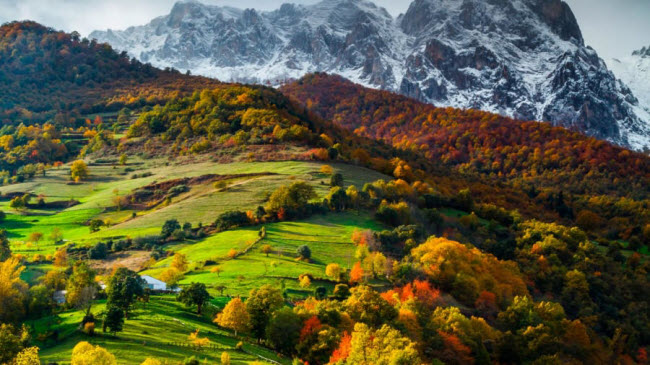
(304, 251)
(336, 180)
(320, 293)
(98, 252)
(341, 291)
(231, 219)
(177, 190)
(169, 227)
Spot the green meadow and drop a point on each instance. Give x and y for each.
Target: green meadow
(328, 237)
(158, 329)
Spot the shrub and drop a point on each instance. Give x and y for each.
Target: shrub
(231, 219)
(169, 227)
(98, 252)
(336, 180)
(304, 251)
(177, 190)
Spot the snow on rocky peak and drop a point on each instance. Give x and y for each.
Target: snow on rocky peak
(521, 58)
(634, 71)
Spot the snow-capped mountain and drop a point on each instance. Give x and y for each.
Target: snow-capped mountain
(521, 58)
(634, 71)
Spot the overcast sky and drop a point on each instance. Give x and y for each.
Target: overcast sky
(613, 27)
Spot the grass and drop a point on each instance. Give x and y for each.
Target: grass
(148, 333)
(164, 320)
(202, 204)
(328, 237)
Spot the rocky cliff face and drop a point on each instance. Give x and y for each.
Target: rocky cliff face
(521, 58)
(634, 71)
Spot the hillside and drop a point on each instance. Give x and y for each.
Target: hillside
(533, 156)
(520, 58)
(49, 75)
(239, 224)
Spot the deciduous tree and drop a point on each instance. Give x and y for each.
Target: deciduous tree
(79, 171)
(261, 304)
(234, 316)
(195, 294)
(86, 354)
(13, 291)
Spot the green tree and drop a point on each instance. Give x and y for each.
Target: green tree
(123, 159)
(169, 227)
(261, 304)
(17, 203)
(304, 251)
(337, 198)
(81, 286)
(10, 344)
(336, 180)
(283, 331)
(40, 300)
(341, 291)
(195, 294)
(5, 249)
(293, 196)
(367, 306)
(124, 288)
(95, 225)
(56, 235)
(113, 319)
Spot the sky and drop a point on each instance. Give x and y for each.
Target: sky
(613, 27)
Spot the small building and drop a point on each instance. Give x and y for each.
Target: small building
(153, 283)
(59, 297)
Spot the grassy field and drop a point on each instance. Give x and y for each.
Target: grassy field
(328, 237)
(149, 333)
(165, 321)
(202, 204)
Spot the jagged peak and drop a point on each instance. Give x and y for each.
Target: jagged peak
(643, 52)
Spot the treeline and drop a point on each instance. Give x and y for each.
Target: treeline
(562, 172)
(479, 142)
(47, 75)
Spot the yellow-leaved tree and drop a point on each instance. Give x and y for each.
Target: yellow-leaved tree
(28, 356)
(234, 316)
(198, 341)
(381, 347)
(179, 262)
(87, 354)
(79, 171)
(12, 291)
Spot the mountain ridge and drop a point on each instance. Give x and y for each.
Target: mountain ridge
(460, 53)
(634, 71)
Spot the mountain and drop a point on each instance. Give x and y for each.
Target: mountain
(523, 58)
(634, 71)
(479, 143)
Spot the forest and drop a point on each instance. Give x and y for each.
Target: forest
(322, 223)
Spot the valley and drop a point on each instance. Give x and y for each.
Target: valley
(153, 217)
